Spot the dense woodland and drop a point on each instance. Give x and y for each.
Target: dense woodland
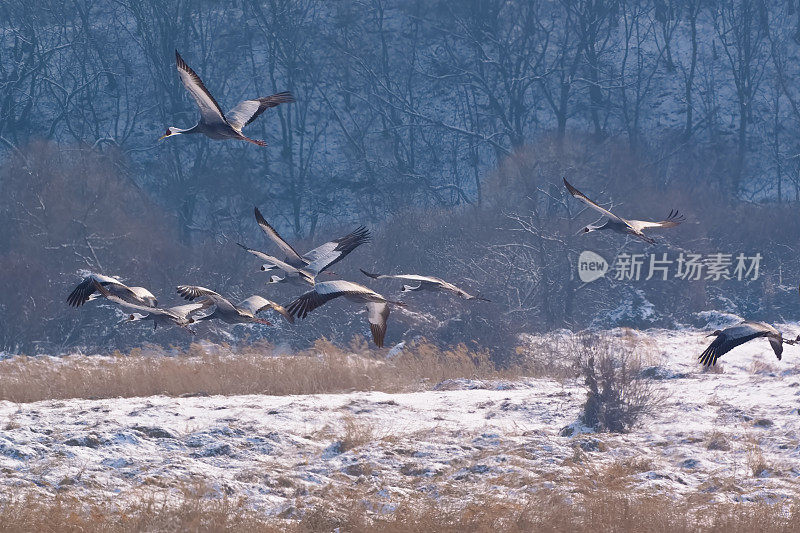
(444, 126)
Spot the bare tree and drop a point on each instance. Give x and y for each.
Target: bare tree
(741, 28)
(595, 20)
(562, 60)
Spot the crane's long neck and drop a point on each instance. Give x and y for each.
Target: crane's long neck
(206, 317)
(193, 129)
(605, 225)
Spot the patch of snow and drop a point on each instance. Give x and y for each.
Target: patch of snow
(268, 449)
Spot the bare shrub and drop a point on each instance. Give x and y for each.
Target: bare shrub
(618, 394)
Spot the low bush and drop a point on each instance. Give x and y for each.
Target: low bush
(618, 394)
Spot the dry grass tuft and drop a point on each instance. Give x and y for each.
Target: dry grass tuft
(717, 440)
(762, 367)
(254, 369)
(589, 477)
(719, 368)
(355, 433)
(756, 462)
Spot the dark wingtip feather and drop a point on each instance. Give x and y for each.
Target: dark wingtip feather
(80, 294)
(365, 234)
(286, 97)
(261, 220)
(572, 190)
(293, 308)
(709, 356)
(368, 274)
(285, 314)
(185, 292)
(378, 334)
(676, 216)
(353, 240)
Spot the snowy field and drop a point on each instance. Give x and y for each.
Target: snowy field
(725, 436)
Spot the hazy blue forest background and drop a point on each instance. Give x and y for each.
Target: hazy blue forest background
(445, 126)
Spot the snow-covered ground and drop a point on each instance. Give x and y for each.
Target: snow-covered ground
(712, 436)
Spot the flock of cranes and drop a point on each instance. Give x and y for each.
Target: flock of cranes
(303, 269)
(298, 269)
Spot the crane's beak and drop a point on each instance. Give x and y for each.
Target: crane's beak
(163, 136)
